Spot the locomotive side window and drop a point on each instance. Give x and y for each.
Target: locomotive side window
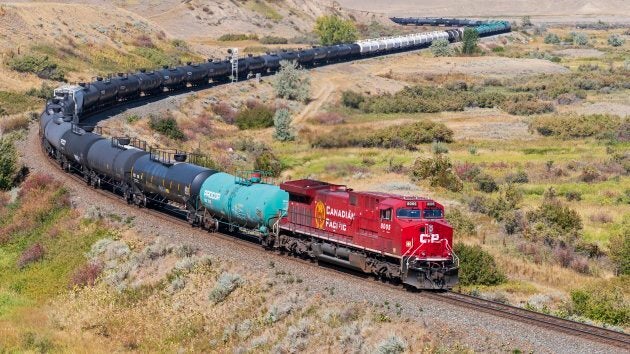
(433, 214)
(386, 214)
(353, 199)
(408, 213)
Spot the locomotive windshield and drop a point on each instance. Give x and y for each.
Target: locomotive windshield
(408, 213)
(433, 213)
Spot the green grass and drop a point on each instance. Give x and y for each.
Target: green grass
(13, 102)
(264, 9)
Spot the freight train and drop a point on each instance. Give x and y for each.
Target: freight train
(405, 239)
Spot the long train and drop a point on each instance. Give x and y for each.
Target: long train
(401, 238)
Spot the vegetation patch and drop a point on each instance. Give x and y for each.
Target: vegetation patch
(477, 267)
(573, 126)
(40, 65)
(606, 301)
(255, 116)
(232, 37)
(166, 126)
(438, 170)
(335, 30)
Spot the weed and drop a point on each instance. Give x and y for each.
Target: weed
(391, 345)
(86, 275)
(32, 254)
(329, 118)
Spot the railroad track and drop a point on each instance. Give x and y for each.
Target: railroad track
(589, 332)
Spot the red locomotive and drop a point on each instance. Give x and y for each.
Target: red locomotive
(392, 236)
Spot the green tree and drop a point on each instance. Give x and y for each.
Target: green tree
(438, 170)
(8, 162)
(292, 83)
(469, 43)
(440, 48)
(620, 247)
(334, 30)
(282, 122)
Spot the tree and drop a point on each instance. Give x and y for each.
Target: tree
(334, 30)
(471, 38)
(615, 40)
(282, 122)
(8, 163)
(440, 48)
(438, 170)
(292, 83)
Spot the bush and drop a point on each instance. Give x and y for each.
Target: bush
(518, 177)
(225, 111)
(470, 40)
(334, 30)
(486, 183)
(579, 39)
(267, 161)
(554, 222)
(477, 267)
(526, 105)
(166, 126)
(292, 83)
(32, 254)
(225, 285)
(441, 48)
(615, 40)
(552, 38)
(508, 201)
(620, 247)
(391, 345)
(439, 147)
(606, 301)
(467, 171)
(399, 136)
(8, 163)
(273, 40)
(462, 223)
(42, 66)
(45, 91)
(231, 37)
(257, 117)
(570, 126)
(438, 170)
(11, 124)
(352, 99)
(282, 122)
(86, 275)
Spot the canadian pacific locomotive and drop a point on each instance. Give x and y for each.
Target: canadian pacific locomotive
(401, 238)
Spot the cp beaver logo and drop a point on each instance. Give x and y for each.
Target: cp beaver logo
(320, 214)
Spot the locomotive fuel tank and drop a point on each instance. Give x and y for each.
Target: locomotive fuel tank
(243, 201)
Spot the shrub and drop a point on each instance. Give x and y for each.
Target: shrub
(526, 21)
(477, 267)
(518, 177)
(292, 83)
(257, 117)
(166, 126)
(334, 30)
(580, 39)
(552, 38)
(572, 125)
(267, 161)
(589, 174)
(438, 170)
(45, 91)
(508, 201)
(462, 223)
(8, 163)
(352, 99)
(273, 40)
(231, 37)
(282, 122)
(391, 345)
(486, 183)
(467, 171)
(441, 48)
(143, 41)
(32, 254)
(526, 105)
(554, 222)
(470, 40)
(42, 66)
(225, 285)
(605, 301)
(86, 275)
(619, 247)
(225, 111)
(573, 196)
(615, 40)
(439, 147)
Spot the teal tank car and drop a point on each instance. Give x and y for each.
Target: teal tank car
(244, 201)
